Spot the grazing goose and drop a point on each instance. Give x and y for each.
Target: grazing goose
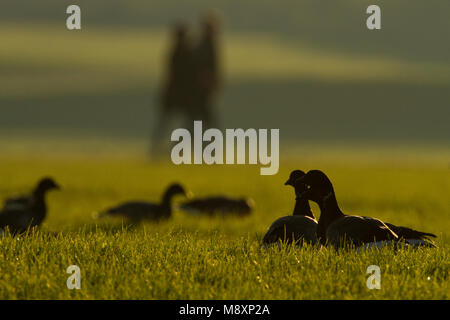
(19, 214)
(301, 225)
(359, 229)
(218, 205)
(142, 210)
(334, 226)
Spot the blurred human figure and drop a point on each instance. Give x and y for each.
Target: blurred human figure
(207, 78)
(192, 80)
(176, 93)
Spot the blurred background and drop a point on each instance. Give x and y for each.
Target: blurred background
(311, 69)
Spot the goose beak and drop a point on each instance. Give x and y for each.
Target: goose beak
(57, 187)
(288, 183)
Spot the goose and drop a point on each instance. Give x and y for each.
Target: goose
(218, 205)
(301, 225)
(142, 210)
(336, 227)
(23, 212)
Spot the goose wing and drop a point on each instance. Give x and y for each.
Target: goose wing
(358, 230)
(16, 219)
(408, 233)
(136, 210)
(292, 228)
(20, 202)
(218, 204)
(204, 205)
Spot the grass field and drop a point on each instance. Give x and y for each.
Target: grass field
(357, 104)
(200, 258)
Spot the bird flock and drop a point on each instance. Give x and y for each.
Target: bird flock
(334, 228)
(22, 213)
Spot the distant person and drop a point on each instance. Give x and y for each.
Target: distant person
(207, 69)
(177, 86)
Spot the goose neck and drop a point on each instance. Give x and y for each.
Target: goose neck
(39, 195)
(329, 208)
(167, 199)
(302, 208)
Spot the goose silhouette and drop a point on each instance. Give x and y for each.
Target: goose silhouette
(137, 211)
(339, 229)
(23, 212)
(301, 225)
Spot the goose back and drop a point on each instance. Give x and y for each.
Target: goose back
(358, 230)
(218, 205)
(291, 229)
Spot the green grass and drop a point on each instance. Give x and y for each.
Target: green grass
(200, 258)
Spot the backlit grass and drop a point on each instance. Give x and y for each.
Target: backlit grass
(201, 258)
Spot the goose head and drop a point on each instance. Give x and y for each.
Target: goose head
(247, 204)
(46, 184)
(319, 187)
(296, 174)
(176, 189)
(294, 180)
